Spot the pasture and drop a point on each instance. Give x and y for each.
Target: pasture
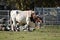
(45, 33)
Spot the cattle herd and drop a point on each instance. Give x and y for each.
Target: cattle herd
(22, 20)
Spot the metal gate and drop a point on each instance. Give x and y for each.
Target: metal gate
(4, 17)
(51, 16)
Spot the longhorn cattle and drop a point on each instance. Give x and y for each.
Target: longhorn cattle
(21, 17)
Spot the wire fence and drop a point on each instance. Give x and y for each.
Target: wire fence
(51, 16)
(4, 17)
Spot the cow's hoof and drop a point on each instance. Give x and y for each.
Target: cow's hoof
(31, 30)
(12, 30)
(34, 29)
(25, 30)
(3, 28)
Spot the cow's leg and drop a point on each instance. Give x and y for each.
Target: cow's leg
(38, 25)
(27, 23)
(14, 26)
(11, 24)
(18, 26)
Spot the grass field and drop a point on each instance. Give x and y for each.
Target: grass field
(46, 33)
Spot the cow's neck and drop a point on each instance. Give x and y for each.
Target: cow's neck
(32, 20)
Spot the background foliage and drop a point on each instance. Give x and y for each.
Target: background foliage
(30, 4)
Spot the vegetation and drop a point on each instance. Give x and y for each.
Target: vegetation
(46, 33)
(30, 4)
(47, 3)
(21, 4)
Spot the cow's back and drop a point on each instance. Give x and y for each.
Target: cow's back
(21, 17)
(13, 13)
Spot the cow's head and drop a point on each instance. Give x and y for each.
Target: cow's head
(36, 19)
(33, 17)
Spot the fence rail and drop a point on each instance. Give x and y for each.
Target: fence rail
(49, 15)
(4, 17)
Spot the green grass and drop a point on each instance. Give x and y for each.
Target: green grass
(46, 33)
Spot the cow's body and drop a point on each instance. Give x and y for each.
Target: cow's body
(21, 17)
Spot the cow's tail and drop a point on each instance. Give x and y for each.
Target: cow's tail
(11, 21)
(11, 24)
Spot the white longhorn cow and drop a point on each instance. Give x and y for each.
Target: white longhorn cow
(21, 17)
